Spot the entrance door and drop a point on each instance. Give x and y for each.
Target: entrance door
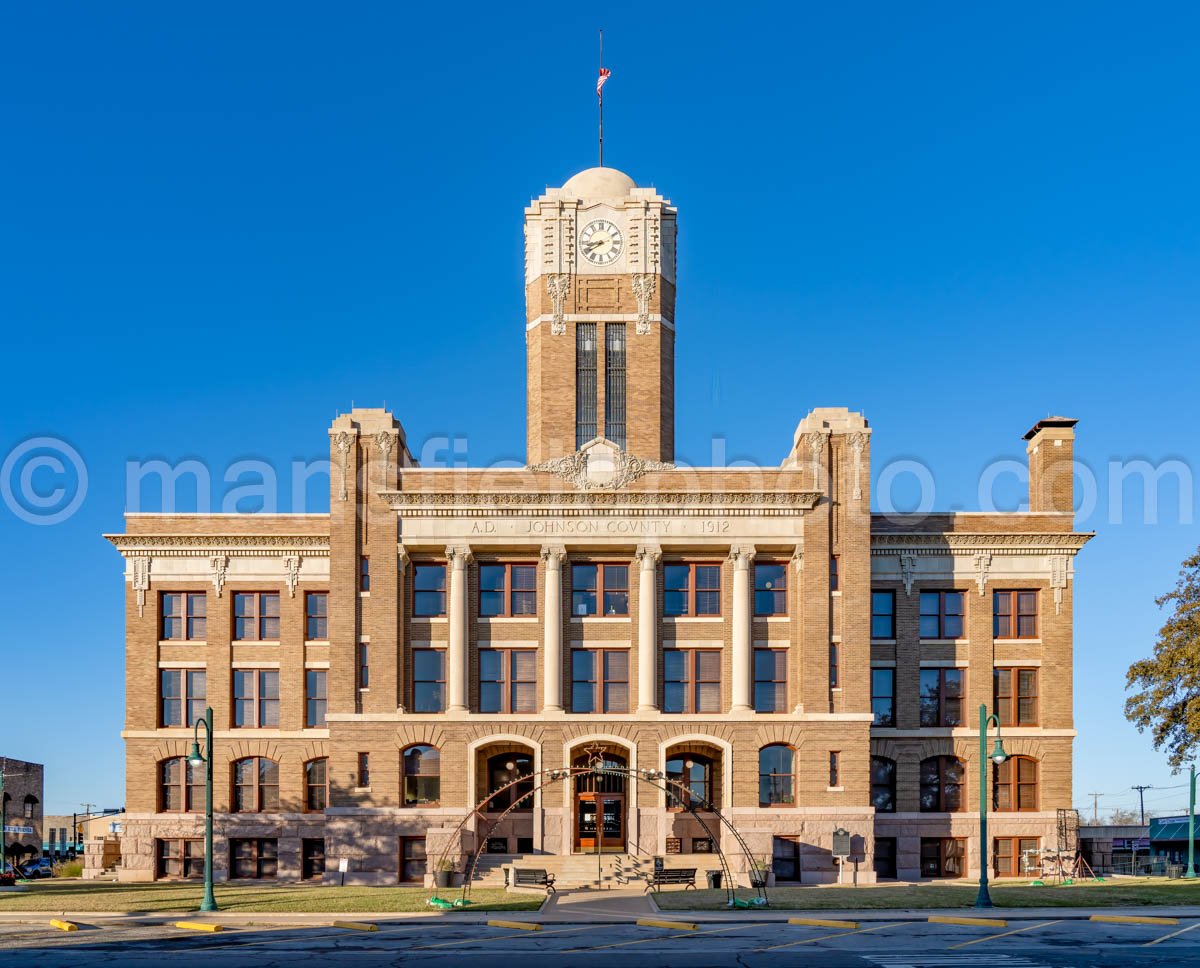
(611, 810)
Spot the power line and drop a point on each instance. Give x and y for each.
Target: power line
(1141, 792)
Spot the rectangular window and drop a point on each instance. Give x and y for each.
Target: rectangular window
(507, 590)
(312, 858)
(412, 860)
(770, 680)
(1014, 615)
(691, 589)
(256, 617)
(429, 680)
(429, 591)
(942, 615)
(316, 616)
(942, 692)
(364, 770)
(1012, 855)
(835, 671)
(883, 615)
(183, 696)
(364, 574)
(614, 383)
(596, 587)
(883, 696)
(184, 616)
(364, 666)
(885, 857)
(692, 681)
(599, 681)
(943, 856)
(1015, 696)
(834, 772)
(507, 681)
(179, 858)
(256, 698)
(833, 573)
(314, 698)
(254, 859)
(585, 383)
(770, 589)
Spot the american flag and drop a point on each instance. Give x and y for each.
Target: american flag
(605, 73)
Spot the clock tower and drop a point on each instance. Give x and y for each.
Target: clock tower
(600, 318)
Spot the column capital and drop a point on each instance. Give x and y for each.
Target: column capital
(401, 558)
(742, 556)
(458, 556)
(553, 555)
(648, 555)
(798, 559)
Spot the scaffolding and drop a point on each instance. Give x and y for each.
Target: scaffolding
(1064, 864)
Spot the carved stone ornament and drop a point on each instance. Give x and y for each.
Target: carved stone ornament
(1058, 579)
(220, 565)
(344, 442)
(141, 580)
(858, 443)
(558, 285)
(648, 555)
(553, 556)
(798, 561)
(384, 440)
(908, 566)
(291, 564)
(983, 562)
(742, 556)
(601, 464)
(643, 287)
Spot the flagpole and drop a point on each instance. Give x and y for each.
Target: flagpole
(600, 95)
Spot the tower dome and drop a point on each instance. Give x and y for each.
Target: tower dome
(599, 183)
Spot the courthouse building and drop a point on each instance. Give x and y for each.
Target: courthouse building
(756, 634)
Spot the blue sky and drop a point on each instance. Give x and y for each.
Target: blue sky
(223, 224)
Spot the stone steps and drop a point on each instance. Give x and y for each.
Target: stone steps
(579, 870)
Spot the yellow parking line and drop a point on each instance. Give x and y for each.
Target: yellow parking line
(969, 922)
(826, 937)
(1173, 934)
(1003, 934)
(672, 925)
(516, 925)
(355, 926)
(502, 937)
(1131, 919)
(823, 923)
(692, 934)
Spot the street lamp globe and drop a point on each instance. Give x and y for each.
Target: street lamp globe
(998, 754)
(195, 757)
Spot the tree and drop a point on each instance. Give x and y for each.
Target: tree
(1120, 817)
(1168, 700)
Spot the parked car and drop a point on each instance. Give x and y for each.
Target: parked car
(42, 867)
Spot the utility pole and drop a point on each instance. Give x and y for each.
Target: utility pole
(1095, 806)
(1141, 792)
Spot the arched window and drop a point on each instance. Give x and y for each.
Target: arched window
(421, 781)
(502, 769)
(883, 784)
(693, 772)
(600, 782)
(942, 780)
(30, 802)
(255, 785)
(1015, 784)
(180, 786)
(316, 784)
(776, 776)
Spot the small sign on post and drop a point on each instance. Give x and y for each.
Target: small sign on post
(343, 866)
(841, 849)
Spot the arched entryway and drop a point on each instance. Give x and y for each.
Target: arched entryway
(600, 805)
(504, 774)
(695, 773)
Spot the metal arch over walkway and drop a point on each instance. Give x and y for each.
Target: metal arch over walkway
(597, 766)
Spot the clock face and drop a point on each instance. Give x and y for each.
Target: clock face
(601, 242)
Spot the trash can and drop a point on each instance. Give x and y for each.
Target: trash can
(714, 879)
(1174, 871)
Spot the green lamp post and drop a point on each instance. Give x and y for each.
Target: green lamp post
(1191, 867)
(195, 758)
(984, 899)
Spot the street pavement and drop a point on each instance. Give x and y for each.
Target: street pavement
(1063, 941)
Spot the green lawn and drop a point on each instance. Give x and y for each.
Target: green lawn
(1126, 892)
(72, 895)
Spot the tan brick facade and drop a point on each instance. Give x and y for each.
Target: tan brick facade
(628, 508)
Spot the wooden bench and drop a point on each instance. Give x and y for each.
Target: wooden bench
(671, 875)
(529, 877)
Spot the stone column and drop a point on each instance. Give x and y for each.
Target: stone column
(743, 561)
(552, 660)
(647, 557)
(457, 560)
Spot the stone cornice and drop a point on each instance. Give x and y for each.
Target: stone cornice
(236, 545)
(1001, 543)
(635, 503)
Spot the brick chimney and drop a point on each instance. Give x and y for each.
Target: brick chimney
(1051, 450)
